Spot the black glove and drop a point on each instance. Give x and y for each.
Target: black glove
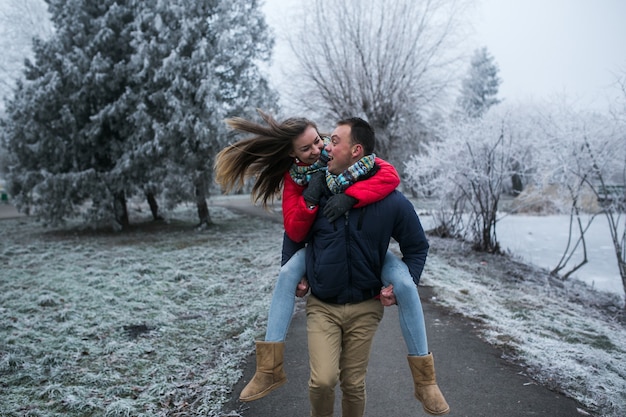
(337, 205)
(316, 188)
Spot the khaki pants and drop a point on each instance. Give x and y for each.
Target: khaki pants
(340, 338)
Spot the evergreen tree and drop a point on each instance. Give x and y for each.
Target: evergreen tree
(129, 98)
(62, 138)
(480, 87)
(196, 65)
(20, 22)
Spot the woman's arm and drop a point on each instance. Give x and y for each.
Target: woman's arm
(297, 216)
(377, 187)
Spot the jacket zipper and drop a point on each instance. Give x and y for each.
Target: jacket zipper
(348, 253)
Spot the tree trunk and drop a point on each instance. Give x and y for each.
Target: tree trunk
(154, 206)
(518, 186)
(203, 213)
(121, 211)
(621, 265)
(203, 208)
(619, 254)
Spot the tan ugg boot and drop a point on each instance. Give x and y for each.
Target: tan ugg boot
(269, 373)
(426, 389)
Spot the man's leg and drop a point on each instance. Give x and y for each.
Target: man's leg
(324, 337)
(360, 325)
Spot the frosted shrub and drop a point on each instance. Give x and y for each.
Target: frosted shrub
(468, 170)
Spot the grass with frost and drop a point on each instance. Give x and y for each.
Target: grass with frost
(566, 335)
(157, 321)
(152, 322)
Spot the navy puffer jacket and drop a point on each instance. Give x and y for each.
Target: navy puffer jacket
(344, 258)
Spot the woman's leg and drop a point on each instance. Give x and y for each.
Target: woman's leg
(412, 323)
(414, 331)
(283, 299)
(269, 373)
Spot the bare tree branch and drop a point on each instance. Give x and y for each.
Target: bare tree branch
(389, 62)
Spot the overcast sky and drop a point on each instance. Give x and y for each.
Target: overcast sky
(544, 48)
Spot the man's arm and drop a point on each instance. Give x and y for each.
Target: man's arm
(409, 234)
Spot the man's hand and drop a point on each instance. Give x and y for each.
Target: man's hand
(337, 205)
(303, 288)
(387, 297)
(316, 187)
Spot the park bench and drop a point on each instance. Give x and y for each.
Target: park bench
(608, 194)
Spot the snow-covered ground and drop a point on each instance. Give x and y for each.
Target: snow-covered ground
(566, 335)
(541, 241)
(157, 321)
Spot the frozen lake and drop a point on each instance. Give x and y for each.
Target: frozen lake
(541, 240)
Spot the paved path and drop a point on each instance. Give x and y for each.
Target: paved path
(475, 381)
(7, 211)
(470, 372)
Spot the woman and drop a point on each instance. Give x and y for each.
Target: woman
(291, 156)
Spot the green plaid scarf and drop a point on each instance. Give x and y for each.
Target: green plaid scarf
(338, 183)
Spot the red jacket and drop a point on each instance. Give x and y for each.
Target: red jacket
(298, 218)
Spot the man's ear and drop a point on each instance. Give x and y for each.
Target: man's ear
(357, 151)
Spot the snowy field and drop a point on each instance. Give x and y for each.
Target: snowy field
(541, 240)
(158, 321)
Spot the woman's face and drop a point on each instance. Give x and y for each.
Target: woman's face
(308, 146)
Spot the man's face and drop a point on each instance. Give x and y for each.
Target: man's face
(341, 151)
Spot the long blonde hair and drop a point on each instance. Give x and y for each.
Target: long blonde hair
(264, 156)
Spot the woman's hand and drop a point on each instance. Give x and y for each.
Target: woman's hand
(387, 297)
(337, 205)
(314, 191)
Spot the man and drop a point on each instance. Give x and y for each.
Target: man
(344, 261)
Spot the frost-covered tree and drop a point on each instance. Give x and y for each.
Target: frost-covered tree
(62, 138)
(619, 108)
(128, 98)
(20, 22)
(195, 64)
(467, 169)
(480, 87)
(391, 63)
(584, 160)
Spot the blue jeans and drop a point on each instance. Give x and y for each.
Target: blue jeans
(409, 305)
(284, 297)
(394, 272)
